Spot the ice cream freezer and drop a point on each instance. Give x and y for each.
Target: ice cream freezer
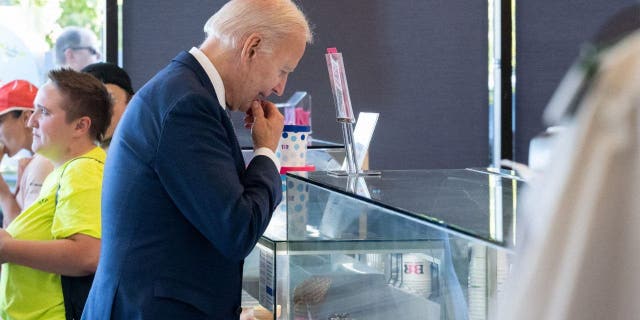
(418, 244)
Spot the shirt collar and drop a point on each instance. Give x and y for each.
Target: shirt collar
(212, 73)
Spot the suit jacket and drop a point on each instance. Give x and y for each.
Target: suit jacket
(180, 210)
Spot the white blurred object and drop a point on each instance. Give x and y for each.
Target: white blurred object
(520, 168)
(540, 148)
(23, 45)
(10, 164)
(16, 60)
(578, 255)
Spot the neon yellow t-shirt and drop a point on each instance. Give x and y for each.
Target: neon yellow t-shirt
(27, 293)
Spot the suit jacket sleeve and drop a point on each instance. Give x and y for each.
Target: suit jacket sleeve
(195, 162)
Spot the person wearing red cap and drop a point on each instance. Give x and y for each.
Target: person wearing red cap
(16, 106)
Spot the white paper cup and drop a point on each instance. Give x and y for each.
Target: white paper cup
(293, 146)
(416, 273)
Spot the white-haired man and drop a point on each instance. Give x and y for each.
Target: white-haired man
(180, 209)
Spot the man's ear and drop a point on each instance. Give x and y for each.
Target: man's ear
(83, 124)
(251, 46)
(68, 54)
(25, 117)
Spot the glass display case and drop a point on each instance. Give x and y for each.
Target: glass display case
(420, 244)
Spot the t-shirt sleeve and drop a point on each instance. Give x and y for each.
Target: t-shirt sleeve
(78, 200)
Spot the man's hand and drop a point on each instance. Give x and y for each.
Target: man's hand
(266, 124)
(247, 314)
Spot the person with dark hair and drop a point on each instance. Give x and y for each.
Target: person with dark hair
(76, 48)
(180, 209)
(16, 106)
(49, 251)
(119, 86)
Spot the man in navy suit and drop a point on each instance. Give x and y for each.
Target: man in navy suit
(180, 210)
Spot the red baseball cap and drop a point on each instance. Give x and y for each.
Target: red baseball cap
(17, 95)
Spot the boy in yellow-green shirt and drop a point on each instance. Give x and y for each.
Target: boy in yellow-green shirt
(59, 234)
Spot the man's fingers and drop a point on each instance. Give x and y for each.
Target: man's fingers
(269, 108)
(256, 110)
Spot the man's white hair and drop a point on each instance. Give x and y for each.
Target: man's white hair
(274, 20)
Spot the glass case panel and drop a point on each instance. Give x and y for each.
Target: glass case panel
(384, 247)
(477, 203)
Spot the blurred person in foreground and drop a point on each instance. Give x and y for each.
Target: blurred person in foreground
(76, 48)
(577, 256)
(49, 251)
(118, 84)
(16, 106)
(180, 209)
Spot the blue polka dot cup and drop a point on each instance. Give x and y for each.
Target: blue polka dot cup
(297, 196)
(293, 146)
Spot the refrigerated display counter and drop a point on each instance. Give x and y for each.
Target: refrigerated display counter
(416, 244)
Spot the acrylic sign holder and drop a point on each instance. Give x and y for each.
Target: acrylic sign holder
(344, 113)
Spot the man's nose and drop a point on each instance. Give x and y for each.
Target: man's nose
(32, 123)
(279, 88)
